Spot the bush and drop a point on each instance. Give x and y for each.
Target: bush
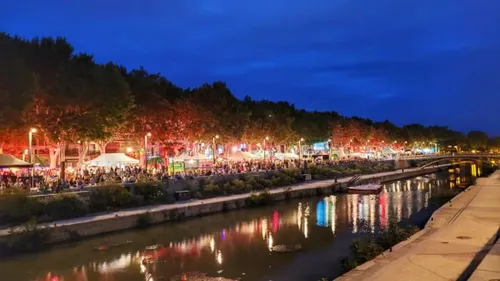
(28, 238)
(17, 207)
(109, 197)
(262, 199)
(151, 192)
(321, 173)
(282, 179)
(64, 206)
(144, 220)
(211, 190)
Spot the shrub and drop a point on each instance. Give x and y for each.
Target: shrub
(210, 190)
(261, 199)
(64, 206)
(283, 178)
(144, 220)
(17, 207)
(29, 237)
(151, 192)
(109, 197)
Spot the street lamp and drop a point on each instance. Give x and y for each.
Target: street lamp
(30, 139)
(148, 135)
(213, 146)
(329, 148)
(300, 148)
(266, 139)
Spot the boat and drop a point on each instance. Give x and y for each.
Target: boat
(366, 188)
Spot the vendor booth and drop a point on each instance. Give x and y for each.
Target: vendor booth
(112, 160)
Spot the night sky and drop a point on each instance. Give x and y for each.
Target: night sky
(427, 61)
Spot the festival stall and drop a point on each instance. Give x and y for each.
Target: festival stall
(242, 155)
(9, 161)
(286, 156)
(193, 161)
(112, 160)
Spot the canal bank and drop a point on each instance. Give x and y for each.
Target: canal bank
(451, 246)
(73, 229)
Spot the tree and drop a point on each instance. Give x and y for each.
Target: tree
(478, 140)
(16, 84)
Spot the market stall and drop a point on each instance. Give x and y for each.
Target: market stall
(112, 160)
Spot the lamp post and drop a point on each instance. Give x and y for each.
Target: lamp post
(213, 147)
(30, 139)
(300, 150)
(265, 146)
(148, 135)
(329, 148)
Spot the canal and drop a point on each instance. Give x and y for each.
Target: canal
(239, 245)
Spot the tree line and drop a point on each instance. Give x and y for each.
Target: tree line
(69, 98)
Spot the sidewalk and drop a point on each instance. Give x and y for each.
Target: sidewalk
(450, 245)
(160, 208)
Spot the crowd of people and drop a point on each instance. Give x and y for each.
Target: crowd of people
(50, 179)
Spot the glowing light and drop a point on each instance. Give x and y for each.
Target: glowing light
(130, 149)
(235, 148)
(270, 242)
(212, 245)
(33, 130)
(264, 228)
(149, 134)
(219, 257)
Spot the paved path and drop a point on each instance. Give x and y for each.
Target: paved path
(451, 245)
(159, 208)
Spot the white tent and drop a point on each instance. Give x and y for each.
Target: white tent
(8, 161)
(286, 156)
(242, 155)
(112, 159)
(186, 157)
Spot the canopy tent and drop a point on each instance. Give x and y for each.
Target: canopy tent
(242, 155)
(388, 150)
(9, 161)
(112, 159)
(286, 156)
(186, 157)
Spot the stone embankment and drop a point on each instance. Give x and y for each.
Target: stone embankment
(67, 230)
(459, 242)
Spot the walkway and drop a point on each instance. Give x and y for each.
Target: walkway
(451, 245)
(160, 208)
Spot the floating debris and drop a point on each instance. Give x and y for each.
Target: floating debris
(153, 247)
(199, 276)
(287, 248)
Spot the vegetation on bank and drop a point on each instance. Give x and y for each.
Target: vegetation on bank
(367, 248)
(16, 206)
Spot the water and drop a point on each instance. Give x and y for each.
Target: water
(237, 244)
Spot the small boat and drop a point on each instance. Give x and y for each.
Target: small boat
(366, 188)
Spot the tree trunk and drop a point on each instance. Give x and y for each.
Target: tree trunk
(53, 156)
(82, 152)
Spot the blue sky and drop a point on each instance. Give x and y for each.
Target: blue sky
(428, 61)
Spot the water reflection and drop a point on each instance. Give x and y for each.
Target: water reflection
(245, 245)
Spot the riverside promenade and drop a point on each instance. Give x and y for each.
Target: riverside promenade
(126, 219)
(451, 246)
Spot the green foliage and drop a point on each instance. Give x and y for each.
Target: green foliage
(144, 220)
(150, 192)
(27, 238)
(17, 207)
(365, 249)
(64, 206)
(109, 197)
(261, 199)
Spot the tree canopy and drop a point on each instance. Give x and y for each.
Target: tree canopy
(69, 97)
